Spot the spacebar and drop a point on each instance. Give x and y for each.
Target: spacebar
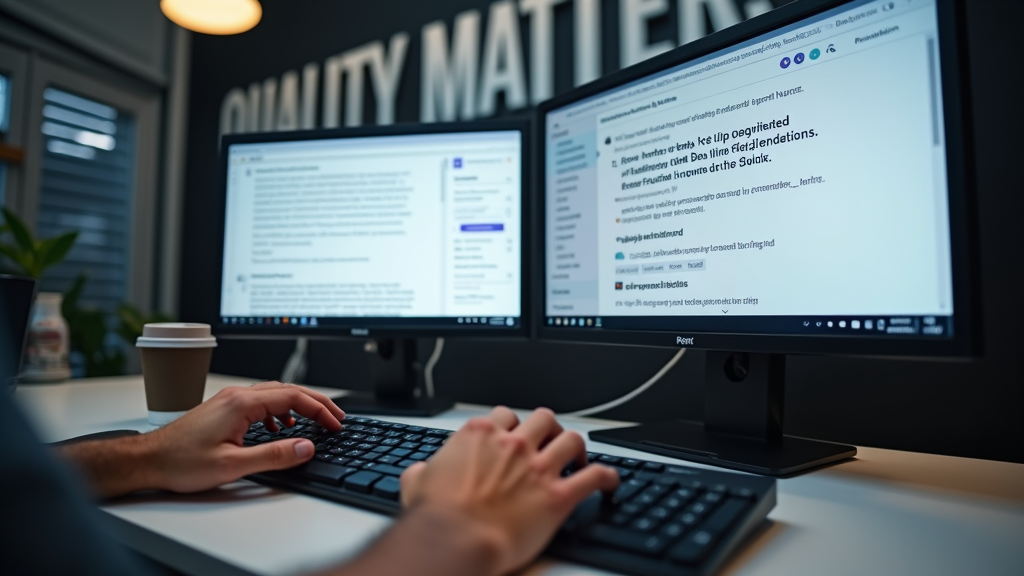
(386, 469)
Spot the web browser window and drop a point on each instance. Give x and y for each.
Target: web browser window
(424, 226)
(801, 174)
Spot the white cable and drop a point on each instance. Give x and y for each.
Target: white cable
(295, 368)
(638, 391)
(428, 371)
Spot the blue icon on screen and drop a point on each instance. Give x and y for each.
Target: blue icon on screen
(785, 62)
(457, 163)
(620, 256)
(799, 58)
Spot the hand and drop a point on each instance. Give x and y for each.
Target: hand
(502, 480)
(203, 449)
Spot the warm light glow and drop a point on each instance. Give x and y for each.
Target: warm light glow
(213, 16)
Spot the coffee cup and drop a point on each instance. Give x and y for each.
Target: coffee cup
(175, 361)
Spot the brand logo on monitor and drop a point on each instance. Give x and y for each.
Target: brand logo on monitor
(681, 341)
(360, 332)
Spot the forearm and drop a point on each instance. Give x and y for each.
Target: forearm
(427, 543)
(113, 467)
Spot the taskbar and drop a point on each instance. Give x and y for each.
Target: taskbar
(331, 322)
(854, 325)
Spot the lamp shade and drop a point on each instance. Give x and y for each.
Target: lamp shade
(213, 16)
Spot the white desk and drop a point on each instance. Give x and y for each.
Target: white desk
(885, 513)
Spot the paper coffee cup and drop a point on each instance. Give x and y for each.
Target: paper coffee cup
(175, 361)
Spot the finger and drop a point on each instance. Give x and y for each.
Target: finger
(260, 403)
(504, 418)
(409, 480)
(277, 455)
(593, 477)
(566, 447)
(539, 428)
(319, 397)
(286, 420)
(270, 424)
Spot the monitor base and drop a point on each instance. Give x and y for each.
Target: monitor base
(360, 404)
(784, 456)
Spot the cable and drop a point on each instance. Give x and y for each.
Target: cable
(428, 370)
(295, 367)
(638, 391)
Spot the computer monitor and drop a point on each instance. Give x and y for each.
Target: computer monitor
(383, 234)
(798, 183)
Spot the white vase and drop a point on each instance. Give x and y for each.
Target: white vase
(46, 356)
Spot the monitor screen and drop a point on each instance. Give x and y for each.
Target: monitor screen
(349, 231)
(792, 183)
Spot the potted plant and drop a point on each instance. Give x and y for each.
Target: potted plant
(46, 358)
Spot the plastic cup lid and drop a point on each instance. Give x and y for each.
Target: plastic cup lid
(176, 335)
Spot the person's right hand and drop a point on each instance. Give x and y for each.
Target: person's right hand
(503, 480)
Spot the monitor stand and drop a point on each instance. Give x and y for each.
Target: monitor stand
(393, 370)
(742, 427)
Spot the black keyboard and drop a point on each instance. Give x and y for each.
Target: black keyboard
(663, 519)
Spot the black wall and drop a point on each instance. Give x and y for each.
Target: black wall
(971, 409)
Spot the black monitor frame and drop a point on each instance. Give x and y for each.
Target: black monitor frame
(745, 372)
(380, 328)
(966, 340)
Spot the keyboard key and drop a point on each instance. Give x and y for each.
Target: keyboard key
(324, 472)
(724, 516)
(354, 453)
(653, 466)
(672, 530)
(374, 439)
(607, 459)
(630, 463)
(628, 489)
(324, 456)
(416, 429)
(387, 469)
(362, 481)
(341, 461)
(406, 463)
(409, 445)
(693, 548)
(644, 524)
(391, 441)
(711, 498)
(412, 437)
(641, 543)
(400, 452)
(382, 449)
(659, 513)
(387, 487)
(429, 449)
(371, 456)
(744, 493)
(388, 459)
(419, 456)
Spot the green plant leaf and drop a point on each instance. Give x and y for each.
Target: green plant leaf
(53, 250)
(20, 232)
(69, 306)
(22, 260)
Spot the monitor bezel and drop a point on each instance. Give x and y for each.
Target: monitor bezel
(966, 340)
(359, 328)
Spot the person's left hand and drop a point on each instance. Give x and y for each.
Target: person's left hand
(203, 449)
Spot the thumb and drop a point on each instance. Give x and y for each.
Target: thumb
(409, 480)
(277, 455)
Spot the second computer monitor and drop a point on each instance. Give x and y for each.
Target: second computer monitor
(386, 231)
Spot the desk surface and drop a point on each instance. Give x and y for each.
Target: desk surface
(886, 512)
